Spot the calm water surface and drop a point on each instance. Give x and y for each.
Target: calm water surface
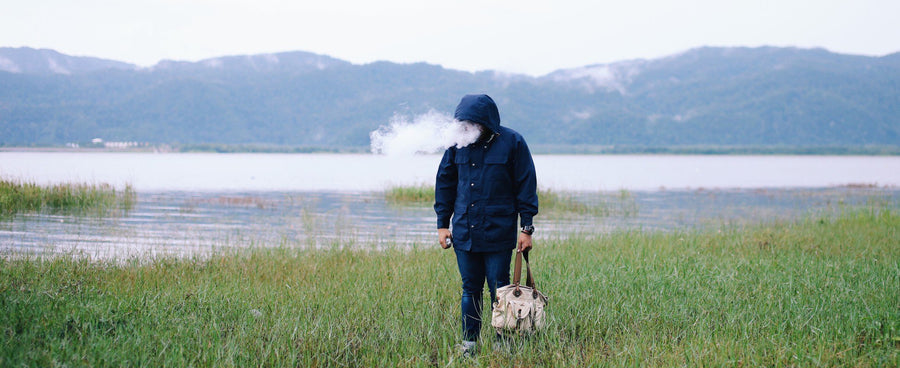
(348, 172)
(200, 203)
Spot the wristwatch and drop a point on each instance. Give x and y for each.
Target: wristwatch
(528, 229)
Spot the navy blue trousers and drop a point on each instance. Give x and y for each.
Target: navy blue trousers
(475, 269)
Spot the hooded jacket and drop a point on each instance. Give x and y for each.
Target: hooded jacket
(485, 187)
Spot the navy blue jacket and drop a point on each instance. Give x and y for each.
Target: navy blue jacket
(486, 186)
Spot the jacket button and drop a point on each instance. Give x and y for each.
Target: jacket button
(473, 164)
(472, 185)
(473, 204)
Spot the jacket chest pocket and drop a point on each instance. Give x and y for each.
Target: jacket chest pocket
(498, 174)
(461, 160)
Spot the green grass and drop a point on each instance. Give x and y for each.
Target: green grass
(817, 292)
(555, 203)
(552, 202)
(18, 196)
(410, 194)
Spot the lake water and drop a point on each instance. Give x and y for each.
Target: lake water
(200, 203)
(360, 172)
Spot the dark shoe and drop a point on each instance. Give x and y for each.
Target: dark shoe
(467, 349)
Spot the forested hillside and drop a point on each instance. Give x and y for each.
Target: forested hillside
(706, 96)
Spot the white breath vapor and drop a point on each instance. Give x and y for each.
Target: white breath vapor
(431, 132)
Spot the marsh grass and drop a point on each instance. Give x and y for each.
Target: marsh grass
(234, 201)
(816, 292)
(621, 203)
(410, 194)
(77, 198)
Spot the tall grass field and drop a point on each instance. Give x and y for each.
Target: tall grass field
(822, 291)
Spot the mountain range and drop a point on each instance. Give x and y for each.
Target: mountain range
(765, 96)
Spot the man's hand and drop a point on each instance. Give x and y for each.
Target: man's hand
(443, 235)
(524, 242)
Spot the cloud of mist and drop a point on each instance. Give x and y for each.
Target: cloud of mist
(432, 132)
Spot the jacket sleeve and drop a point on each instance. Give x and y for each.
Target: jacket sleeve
(526, 184)
(445, 189)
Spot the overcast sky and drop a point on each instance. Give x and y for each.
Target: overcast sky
(522, 36)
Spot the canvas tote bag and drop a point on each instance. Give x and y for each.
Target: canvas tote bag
(519, 309)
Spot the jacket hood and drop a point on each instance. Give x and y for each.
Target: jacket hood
(480, 109)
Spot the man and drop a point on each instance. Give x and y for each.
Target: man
(486, 187)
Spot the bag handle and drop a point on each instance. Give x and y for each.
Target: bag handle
(517, 274)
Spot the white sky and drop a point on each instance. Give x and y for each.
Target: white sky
(523, 36)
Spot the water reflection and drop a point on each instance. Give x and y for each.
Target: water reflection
(192, 223)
